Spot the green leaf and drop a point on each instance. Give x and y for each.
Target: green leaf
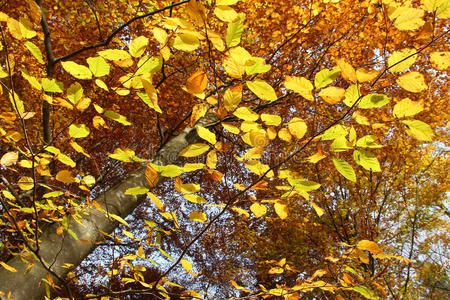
(52, 86)
(98, 66)
(373, 101)
(76, 70)
(138, 45)
(419, 130)
(139, 190)
(345, 169)
(117, 117)
(74, 93)
(35, 51)
(367, 160)
(325, 77)
(262, 89)
(78, 131)
(234, 31)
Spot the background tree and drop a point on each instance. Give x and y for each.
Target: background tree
(290, 149)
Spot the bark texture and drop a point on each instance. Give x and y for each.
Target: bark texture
(57, 250)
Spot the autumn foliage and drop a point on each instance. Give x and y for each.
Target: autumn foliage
(291, 149)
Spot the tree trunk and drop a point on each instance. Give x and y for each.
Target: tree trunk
(57, 250)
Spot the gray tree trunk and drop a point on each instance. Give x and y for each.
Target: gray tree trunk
(57, 250)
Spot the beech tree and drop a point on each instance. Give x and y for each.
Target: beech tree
(224, 148)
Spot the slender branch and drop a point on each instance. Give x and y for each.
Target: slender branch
(118, 30)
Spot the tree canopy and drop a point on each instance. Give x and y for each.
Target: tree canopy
(224, 148)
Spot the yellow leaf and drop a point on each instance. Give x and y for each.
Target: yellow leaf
(197, 82)
(186, 265)
(408, 18)
(78, 131)
(14, 28)
(198, 111)
(231, 128)
(160, 35)
(198, 216)
(364, 75)
(271, 119)
(259, 168)
(99, 67)
(246, 114)
(297, 127)
(281, 210)
(407, 108)
(284, 135)
(412, 82)
(300, 85)
(9, 158)
(271, 133)
(83, 104)
(194, 150)
(101, 84)
(195, 199)
(234, 31)
(316, 158)
(156, 201)
(138, 45)
(440, 60)
(186, 42)
(189, 188)
(347, 71)
(65, 176)
(99, 122)
(211, 159)
(258, 138)
(25, 183)
(233, 67)
(225, 13)
(398, 61)
(258, 209)
(332, 94)
(26, 28)
(262, 89)
(152, 95)
(114, 54)
(7, 267)
(76, 70)
(370, 246)
(318, 209)
(216, 40)
(232, 97)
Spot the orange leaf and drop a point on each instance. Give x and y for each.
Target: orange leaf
(197, 82)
